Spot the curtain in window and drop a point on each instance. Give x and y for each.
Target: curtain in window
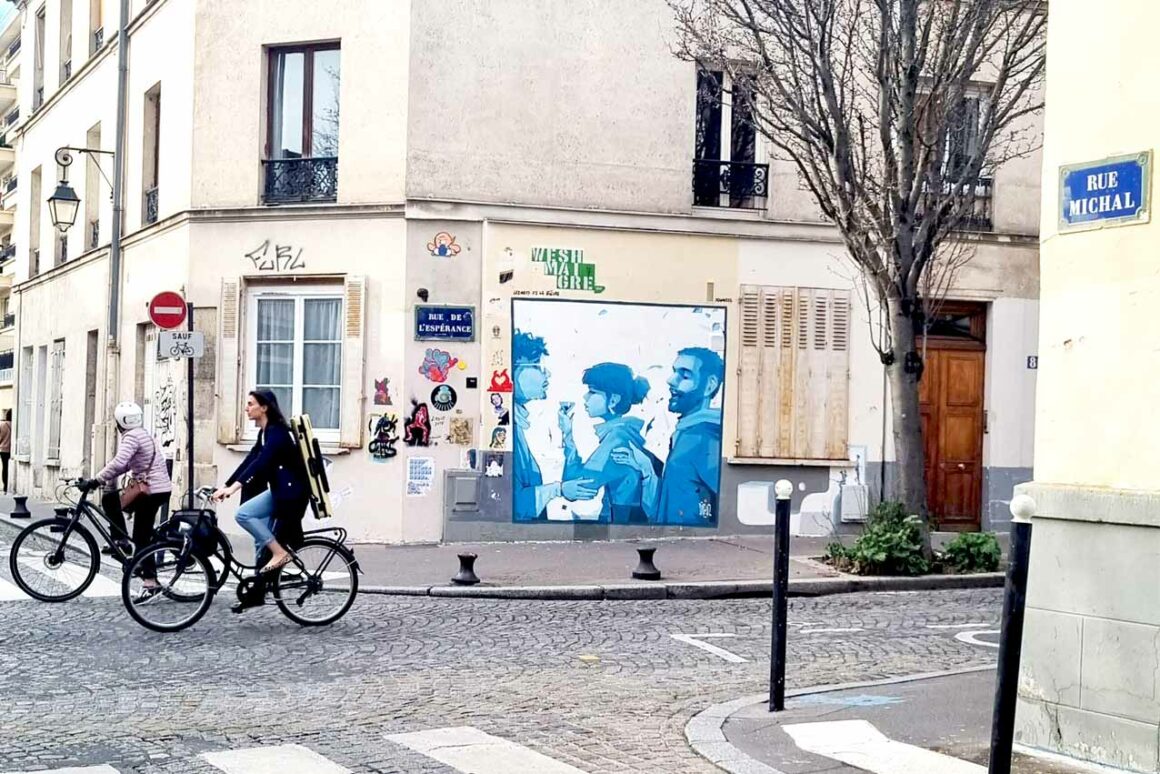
(275, 350)
(322, 361)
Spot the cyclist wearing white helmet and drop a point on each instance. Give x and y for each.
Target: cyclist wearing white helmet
(137, 453)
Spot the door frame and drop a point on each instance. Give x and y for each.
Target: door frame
(975, 340)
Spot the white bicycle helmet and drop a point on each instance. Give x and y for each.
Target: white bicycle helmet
(128, 415)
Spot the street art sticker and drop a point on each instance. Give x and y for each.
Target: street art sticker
(501, 381)
(444, 398)
(568, 267)
(383, 392)
(437, 364)
(420, 476)
(460, 433)
(282, 258)
(165, 417)
(417, 431)
(499, 406)
(384, 435)
(617, 412)
(499, 438)
(443, 245)
(493, 465)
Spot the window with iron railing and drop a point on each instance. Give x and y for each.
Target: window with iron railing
(98, 40)
(10, 184)
(725, 168)
(303, 119)
(94, 234)
(65, 70)
(150, 207)
(14, 48)
(12, 117)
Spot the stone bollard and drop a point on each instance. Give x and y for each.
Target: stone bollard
(466, 575)
(645, 569)
(21, 510)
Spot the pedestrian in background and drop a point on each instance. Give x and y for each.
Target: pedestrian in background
(6, 445)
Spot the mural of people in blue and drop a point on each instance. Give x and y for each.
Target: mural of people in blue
(531, 495)
(692, 472)
(613, 390)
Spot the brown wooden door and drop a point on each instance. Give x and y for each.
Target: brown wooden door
(951, 395)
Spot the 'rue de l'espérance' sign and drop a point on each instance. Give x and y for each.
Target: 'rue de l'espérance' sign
(1110, 192)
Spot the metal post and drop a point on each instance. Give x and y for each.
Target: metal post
(1011, 640)
(189, 413)
(783, 491)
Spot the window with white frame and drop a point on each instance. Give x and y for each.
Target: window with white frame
(295, 350)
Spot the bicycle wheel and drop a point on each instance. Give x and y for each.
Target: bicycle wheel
(51, 563)
(323, 588)
(186, 587)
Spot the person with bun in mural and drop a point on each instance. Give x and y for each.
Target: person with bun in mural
(613, 390)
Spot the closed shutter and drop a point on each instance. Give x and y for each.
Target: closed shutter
(353, 362)
(794, 373)
(56, 400)
(229, 399)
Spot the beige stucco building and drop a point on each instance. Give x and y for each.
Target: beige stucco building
(472, 144)
(1090, 685)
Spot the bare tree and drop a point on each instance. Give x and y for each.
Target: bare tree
(894, 113)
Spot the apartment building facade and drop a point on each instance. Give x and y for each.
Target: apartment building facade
(376, 207)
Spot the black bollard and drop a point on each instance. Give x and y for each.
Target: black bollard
(1011, 639)
(21, 510)
(466, 575)
(645, 569)
(783, 491)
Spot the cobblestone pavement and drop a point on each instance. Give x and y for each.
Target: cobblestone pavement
(602, 686)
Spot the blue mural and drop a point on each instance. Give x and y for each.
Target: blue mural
(644, 447)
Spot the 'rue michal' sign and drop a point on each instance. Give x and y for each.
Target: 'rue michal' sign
(1110, 192)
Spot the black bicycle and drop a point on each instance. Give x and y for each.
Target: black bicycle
(169, 585)
(57, 559)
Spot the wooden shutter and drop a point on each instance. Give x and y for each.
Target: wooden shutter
(794, 373)
(353, 360)
(229, 399)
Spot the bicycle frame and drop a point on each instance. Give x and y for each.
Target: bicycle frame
(85, 508)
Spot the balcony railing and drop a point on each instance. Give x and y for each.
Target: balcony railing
(62, 250)
(65, 70)
(94, 234)
(7, 321)
(98, 39)
(14, 48)
(7, 253)
(38, 98)
(979, 202)
(301, 180)
(12, 117)
(10, 185)
(732, 184)
(151, 206)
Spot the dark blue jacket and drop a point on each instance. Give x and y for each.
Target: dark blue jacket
(276, 462)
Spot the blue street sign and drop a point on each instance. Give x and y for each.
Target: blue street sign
(1110, 192)
(444, 323)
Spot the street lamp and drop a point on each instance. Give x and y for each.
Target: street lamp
(64, 202)
(63, 206)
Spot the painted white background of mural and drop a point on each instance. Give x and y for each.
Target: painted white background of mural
(581, 334)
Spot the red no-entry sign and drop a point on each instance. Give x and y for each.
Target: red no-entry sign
(167, 310)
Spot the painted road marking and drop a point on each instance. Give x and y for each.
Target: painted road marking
(102, 769)
(840, 700)
(959, 626)
(830, 631)
(859, 744)
(472, 751)
(695, 641)
(972, 638)
(10, 591)
(71, 575)
(281, 759)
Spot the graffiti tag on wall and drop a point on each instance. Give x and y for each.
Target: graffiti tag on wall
(165, 417)
(568, 267)
(281, 258)
(384, 435)
(617, 412)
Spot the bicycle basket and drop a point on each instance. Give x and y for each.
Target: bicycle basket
(200, 526)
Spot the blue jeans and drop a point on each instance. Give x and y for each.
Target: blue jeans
(256, 516)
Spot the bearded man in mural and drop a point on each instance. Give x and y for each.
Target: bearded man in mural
(531, 494)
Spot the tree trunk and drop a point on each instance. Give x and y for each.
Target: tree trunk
(908, 443)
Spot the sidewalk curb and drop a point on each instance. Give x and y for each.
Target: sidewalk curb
(806, 587)
(704, 731)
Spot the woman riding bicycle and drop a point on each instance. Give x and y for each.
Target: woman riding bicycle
(137, 452)
(274, 463)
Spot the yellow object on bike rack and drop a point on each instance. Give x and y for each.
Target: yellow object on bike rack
(315, 466)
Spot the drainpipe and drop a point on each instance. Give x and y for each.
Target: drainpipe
(113, 362)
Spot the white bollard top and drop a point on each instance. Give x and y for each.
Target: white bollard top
(783, 489)
(1022, 508)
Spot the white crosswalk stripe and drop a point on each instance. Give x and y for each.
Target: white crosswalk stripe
(283, 759)
(71, 770)
(858, 743)
(472, 751)
(10, 592)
